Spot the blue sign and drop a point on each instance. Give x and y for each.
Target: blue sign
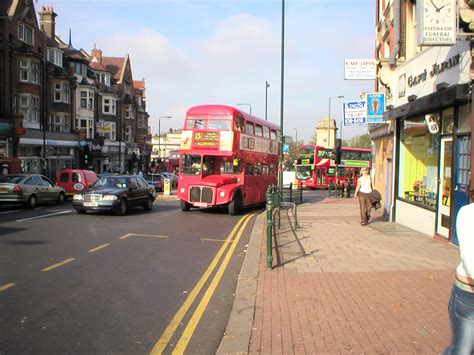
(354, 113)
(286, 148)
(375, 107)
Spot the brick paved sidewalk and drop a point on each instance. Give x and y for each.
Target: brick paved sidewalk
(338, 287)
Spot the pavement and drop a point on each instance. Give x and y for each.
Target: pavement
(338, 287)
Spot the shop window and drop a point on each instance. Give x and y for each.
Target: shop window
(448, 121)
(418, 168)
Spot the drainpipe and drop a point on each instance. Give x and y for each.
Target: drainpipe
(396, 34)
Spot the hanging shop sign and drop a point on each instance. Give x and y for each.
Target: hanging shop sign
(359, 69)
(354, 113)
(375, 107)
(436, 22)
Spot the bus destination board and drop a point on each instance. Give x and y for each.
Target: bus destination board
(206, 140)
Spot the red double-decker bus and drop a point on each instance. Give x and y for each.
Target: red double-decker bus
(227, 158)
(316, 168)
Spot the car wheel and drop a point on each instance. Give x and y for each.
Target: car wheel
(31, 202)
(81, 212)
(60, 199)
(235, 204)
(123, 208)
(185, 206)
(148, 206)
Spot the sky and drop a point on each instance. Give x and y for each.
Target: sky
(194, 52)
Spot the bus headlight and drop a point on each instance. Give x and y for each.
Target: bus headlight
(182, 190)
(222, 194)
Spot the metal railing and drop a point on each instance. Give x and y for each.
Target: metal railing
(275, 202)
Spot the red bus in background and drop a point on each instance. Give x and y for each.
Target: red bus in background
(316, 168)
(227, 158)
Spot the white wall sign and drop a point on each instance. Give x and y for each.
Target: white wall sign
(359, 69)
(436, 22)
(432, 66)
(355, 113)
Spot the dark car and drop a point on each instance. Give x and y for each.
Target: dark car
(156, 180)
(116, 194)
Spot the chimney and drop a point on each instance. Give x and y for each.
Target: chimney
(47, 21)
(97, 54)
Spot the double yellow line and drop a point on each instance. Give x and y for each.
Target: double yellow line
(183, 341)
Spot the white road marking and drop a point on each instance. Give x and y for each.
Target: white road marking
(43, 216)
(13, 211)
(142, 235)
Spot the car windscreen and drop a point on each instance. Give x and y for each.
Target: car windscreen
(118, 182)
(12, 179)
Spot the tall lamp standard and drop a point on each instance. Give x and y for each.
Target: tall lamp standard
(280, 172)
(329, 115)
(267, 85)
(296, 136)
(159, 134)
(250, 106)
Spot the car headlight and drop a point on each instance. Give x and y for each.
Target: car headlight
(78, 197)
(182, 190)
(222, 194)
(109, 198)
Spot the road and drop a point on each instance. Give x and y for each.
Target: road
(102, 284)
(148, 282)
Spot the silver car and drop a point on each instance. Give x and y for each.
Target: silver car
(29, 189)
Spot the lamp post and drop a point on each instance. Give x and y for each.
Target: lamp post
(296, 136)
(250, 106)
(159, 134)
(267, 85)
(329, 115)
(282, 60)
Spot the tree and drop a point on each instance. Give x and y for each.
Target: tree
(292, 155)
(362, 141)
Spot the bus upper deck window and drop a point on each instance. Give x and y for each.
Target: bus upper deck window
(239, 124)
(258, 130)
(219, 124)
(249, 128)
(266, 132)
(273, 135)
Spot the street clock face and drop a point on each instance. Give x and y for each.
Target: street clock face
(437, 19)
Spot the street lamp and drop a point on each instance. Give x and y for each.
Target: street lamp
(282, 60)
(159, 134)
(250, 106)
(267, 85)
(329, 115)
(296, 136)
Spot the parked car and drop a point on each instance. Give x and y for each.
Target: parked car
(173, 177)
(29, 189)
(116, 194)
(156, 180)
(75, 180)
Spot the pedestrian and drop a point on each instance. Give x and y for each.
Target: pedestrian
(363, 189)
(461, 302)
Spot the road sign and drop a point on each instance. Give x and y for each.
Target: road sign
(286, 148)
(354, 113)
(375, 107)
(167, 187)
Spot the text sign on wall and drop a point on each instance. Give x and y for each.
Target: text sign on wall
(354, 113)
(359, 69)
(375, 107)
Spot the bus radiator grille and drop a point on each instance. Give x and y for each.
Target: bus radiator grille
(201, 194)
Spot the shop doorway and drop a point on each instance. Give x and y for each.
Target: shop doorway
(461, 176)
(444, 188)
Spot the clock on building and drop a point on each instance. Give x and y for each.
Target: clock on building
(436, 22)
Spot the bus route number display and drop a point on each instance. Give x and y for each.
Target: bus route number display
(206, 140)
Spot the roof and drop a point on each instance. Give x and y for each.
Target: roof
(95, 65)
(114, 65)
(139, 84)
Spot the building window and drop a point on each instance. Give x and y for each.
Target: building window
(418, 169)
(109, 106)
(57, 92)
(103, 78)
(128, 134)
(25, 33)
(79, 68)
(87, 99)
(35, 77)
(129, 112)
(55, 56)
(24, 70)
(84, 99)
(29, 107)
(61, 92)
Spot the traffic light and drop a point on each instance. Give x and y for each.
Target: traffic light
(338, 151)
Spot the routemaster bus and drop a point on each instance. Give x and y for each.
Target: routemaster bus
(316, 168)
(227, 158)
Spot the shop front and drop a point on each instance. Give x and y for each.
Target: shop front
(433, 120)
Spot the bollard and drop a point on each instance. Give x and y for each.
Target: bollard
(347, 190)
(269, 227)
